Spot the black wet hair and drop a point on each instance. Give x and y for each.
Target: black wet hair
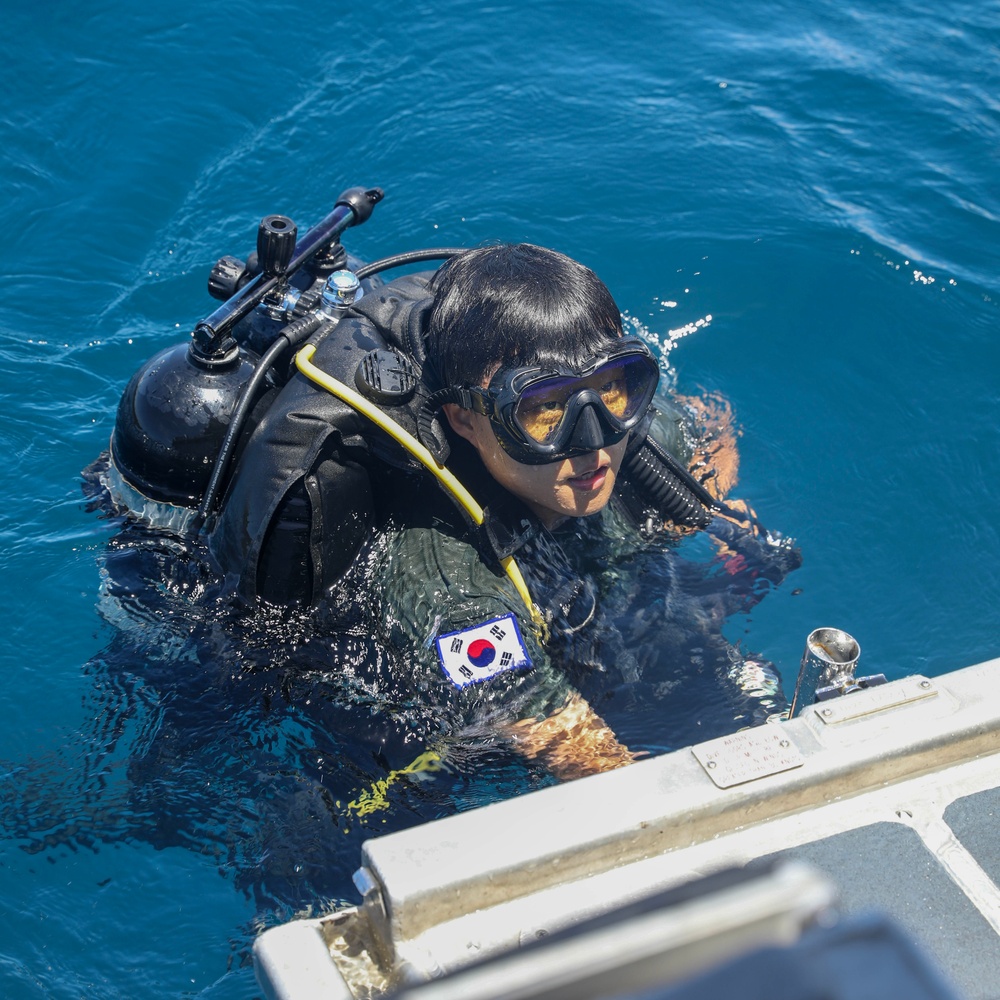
(512, 305)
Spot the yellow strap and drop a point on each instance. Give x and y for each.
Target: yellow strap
(375, 798)
(303, 361)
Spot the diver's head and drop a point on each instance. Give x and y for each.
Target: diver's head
(540, 379)
(516, 304)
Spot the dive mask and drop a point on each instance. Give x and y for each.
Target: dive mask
(545, 413)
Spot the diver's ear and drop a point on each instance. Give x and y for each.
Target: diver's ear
(462, 422)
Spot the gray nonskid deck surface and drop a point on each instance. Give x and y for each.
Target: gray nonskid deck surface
(975, 819)
(887, 867)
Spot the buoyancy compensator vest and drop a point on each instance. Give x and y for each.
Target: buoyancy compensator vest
(284, 471)
(302, 498)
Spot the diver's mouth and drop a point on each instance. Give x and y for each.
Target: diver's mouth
(588, 482)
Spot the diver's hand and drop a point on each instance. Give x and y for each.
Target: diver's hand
(748, 550)
(572, 742)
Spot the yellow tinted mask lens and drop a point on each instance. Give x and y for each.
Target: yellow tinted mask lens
(621, 386)
(540, 417)
(612, 386)
(537, 410)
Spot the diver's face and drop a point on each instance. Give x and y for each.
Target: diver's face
(571, 487)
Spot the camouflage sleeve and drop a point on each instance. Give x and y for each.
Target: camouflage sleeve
(463, 638)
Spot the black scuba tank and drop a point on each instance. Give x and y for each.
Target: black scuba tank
(174, 430)
(171, 422)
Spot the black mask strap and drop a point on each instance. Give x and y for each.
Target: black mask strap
(430, 423)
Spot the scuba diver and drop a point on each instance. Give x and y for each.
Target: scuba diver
(468, 473)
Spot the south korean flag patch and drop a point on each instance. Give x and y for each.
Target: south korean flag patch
(483, 651)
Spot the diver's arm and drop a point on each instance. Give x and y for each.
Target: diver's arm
(750, 554)
(572, 742)
(715, 461)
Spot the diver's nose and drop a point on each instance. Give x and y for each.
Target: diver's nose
(588, 435)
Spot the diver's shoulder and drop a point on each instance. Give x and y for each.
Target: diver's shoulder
(437, 559)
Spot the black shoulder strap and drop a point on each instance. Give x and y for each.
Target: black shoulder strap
(399, 310)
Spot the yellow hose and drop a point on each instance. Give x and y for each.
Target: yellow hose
(303, 361)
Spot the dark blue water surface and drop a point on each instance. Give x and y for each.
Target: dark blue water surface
(808, 192)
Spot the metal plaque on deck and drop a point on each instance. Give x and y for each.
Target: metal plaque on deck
(748, 755)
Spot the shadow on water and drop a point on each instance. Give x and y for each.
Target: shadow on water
(276, 742)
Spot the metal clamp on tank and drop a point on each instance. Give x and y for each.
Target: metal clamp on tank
(828, 669)
(275, 245)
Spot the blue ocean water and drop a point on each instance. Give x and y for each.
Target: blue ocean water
(803, 199)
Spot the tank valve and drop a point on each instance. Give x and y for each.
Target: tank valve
(341, 290)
